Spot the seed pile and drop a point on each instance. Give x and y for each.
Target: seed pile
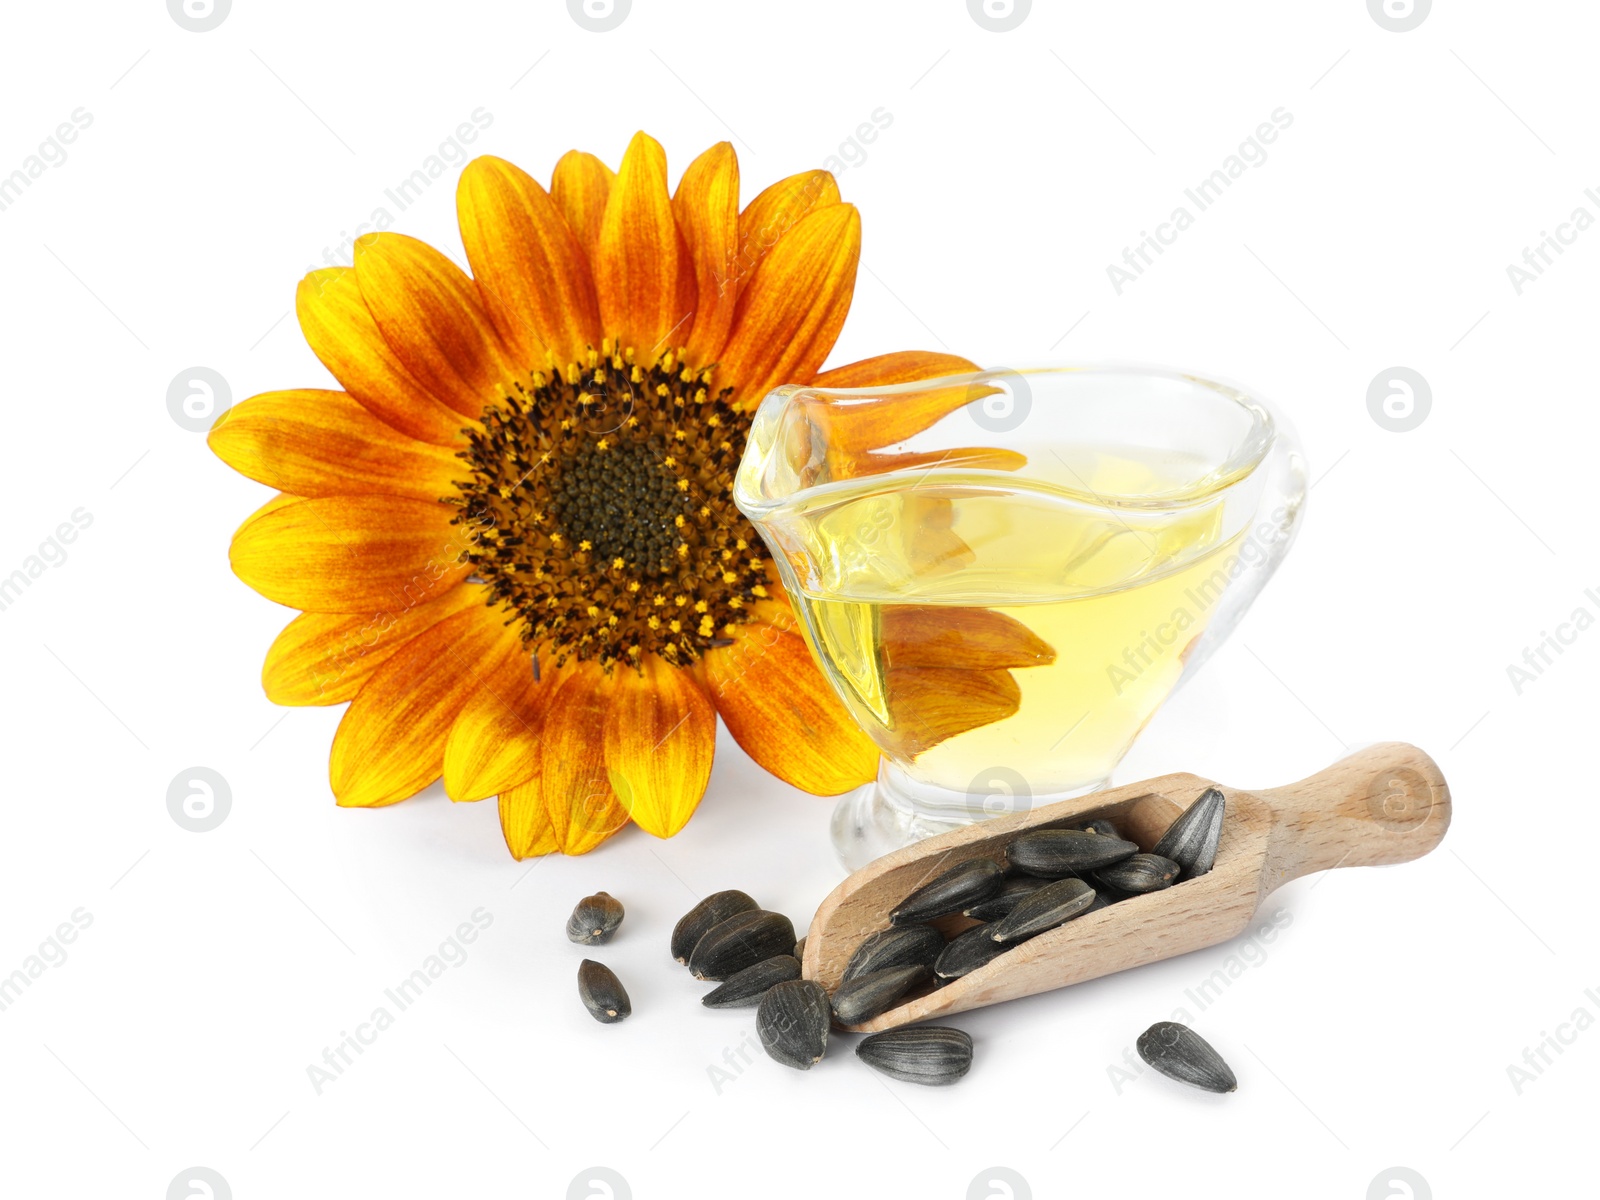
(728, 937)
(1047, 878)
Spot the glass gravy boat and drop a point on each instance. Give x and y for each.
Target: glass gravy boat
(1004, 574)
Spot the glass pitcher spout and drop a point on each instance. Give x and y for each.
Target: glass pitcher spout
(1003, 575)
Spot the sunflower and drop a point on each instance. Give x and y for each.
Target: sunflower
(511, 534)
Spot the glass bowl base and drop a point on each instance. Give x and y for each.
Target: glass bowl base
(896, 810)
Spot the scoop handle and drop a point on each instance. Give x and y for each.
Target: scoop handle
(1386, 803)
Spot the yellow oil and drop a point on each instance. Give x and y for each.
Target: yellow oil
(971, 627)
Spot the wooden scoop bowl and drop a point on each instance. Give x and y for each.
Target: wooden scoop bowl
(1384, 804)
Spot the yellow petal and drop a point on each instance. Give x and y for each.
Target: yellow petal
(792, 310)
(429, 313)
(524, 822)
(530, 268)
(494, 744)
(706, 206)
(583, 809)
(580, 187)
(324, 658)
(783, 713)
(660, 734)
(645, 279)
(318, 443)
(350, 554)
(281, 500)
(390, 744)
(341, 332)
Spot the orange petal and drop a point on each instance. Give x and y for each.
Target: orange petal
(871, 424)
(429, 313)
(660, 733)
(341, 332)
(317, 443)
(583, 809)
(494, 744)
(350, 554)
(390, 744)
(780, 709)
(901, 366)
(977, 639)
(324, 658)
(777, 210)
(643, 271)
(530, 268)
(524, 822)
(706, 206)
(580, 187)
(930, 706)
(791, 313)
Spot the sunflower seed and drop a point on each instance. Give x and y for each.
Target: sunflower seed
(894, 948)
(1191, 840)
(866, 996)
(1101, 826)
(928, 1054)
(1140, 874)
(1003, 901)
(800, 950)
(739, 942)
(697, 922)
(1057, 853)
(602, 993)
(1180, 1053)
(974, 880)
(966, 952)
(746, 987)
(1054, 904)
(594, 919)
(793, 1023)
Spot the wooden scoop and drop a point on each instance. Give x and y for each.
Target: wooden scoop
(1384, 804)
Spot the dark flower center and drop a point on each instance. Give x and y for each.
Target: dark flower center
(597, 510)
(622, 500)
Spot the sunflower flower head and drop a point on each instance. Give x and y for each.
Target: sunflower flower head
(510, 531)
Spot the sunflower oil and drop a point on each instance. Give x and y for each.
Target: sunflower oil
(973, 627)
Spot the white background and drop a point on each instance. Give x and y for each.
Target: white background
(1378, 1030)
